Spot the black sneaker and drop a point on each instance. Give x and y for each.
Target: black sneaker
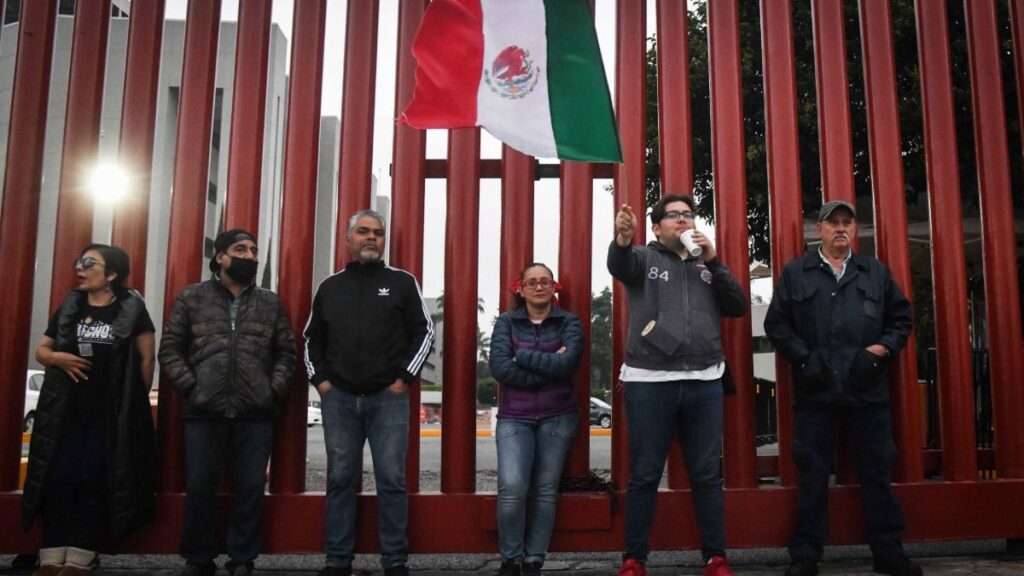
(802, 567)
(509, 568)
(204, 569)
(400, 570)
(239, 568)
(532, 568)
(335, 571)
(898, 565)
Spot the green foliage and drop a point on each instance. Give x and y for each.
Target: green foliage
(909, 102)
(601, 343)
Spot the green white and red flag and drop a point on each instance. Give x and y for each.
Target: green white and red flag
(527, 71)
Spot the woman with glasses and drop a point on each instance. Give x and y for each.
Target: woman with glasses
(91, 460)
(535, 349)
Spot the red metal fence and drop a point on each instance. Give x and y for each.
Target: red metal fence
(956, 506)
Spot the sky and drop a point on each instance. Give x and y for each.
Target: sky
(546, 198)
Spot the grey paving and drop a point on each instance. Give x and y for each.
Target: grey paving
(938, 559)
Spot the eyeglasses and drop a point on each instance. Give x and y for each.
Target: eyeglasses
(532, 283)
(676, 215)
(86, 263)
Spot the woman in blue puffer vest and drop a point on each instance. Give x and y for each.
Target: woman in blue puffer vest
(535, 349)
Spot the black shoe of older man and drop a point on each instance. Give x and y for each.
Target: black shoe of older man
(898, 565)
(400, 570)
(802, 567)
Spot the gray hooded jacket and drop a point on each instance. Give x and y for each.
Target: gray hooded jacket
(675, 306)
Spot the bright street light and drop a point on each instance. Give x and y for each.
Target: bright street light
(108, 183)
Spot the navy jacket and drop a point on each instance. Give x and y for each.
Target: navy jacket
(822, 326)
(536, 381)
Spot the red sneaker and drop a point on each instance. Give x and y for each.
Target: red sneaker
(718, 566)
(632, 568)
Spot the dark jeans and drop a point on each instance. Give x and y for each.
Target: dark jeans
(656, 412)
(245, 445)
(75, 500)
(869, 429)
(350, 421)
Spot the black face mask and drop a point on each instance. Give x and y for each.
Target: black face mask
(242, 270)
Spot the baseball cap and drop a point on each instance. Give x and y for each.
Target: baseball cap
(829, 207)
(224, 241)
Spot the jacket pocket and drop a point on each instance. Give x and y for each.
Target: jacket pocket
(661, 336)
(866, 371)
(813, 373)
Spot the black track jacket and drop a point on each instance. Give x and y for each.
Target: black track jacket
(368, 327)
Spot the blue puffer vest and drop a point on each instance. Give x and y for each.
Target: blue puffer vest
(536, 380)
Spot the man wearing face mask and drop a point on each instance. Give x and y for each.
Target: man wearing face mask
(228, 348)
(367, 338)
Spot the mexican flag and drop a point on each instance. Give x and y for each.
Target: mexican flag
(528, 71)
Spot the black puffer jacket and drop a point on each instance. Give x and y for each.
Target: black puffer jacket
(225, 369)
(131, 455)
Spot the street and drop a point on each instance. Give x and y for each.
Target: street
(430, 461)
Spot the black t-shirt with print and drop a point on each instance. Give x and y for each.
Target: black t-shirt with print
(94, 342)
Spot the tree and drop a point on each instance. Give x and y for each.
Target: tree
(909, 94)
(601, 343)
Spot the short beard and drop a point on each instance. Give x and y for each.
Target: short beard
(368, 255)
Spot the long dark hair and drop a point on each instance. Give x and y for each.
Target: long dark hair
(115, 261)
(520, 301)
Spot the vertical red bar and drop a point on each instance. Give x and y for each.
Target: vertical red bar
(630, 180)
(953, 353)
(188, 205)
(833, 100)
(785, 196)
(674, 135)
(248, 109)
(517, 176)
(674, 126)
(575, 248)
(891, 221)
(355, 154)
(407, 186)
(81, 141)
(138, 122)
(1002, 307)
(728, 153)
(834, 132)
(462, 240)
(19, 218)
(298, 218)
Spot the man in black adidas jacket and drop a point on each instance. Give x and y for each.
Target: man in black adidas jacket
(367, 338)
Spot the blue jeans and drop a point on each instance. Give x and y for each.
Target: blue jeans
(530, 458)
(656, 412)
(349, 421)
(869, 429)
(245, 445)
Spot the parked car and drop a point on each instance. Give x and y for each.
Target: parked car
(600, 413)
(33, 383)
(313, 414)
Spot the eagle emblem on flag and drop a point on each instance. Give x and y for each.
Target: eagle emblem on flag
(512, 74)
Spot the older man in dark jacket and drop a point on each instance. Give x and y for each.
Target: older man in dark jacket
(838, 317)
(228, 348)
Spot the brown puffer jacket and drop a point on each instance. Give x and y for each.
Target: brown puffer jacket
(225, 369)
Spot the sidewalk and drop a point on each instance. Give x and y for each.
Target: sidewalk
(937, 559)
